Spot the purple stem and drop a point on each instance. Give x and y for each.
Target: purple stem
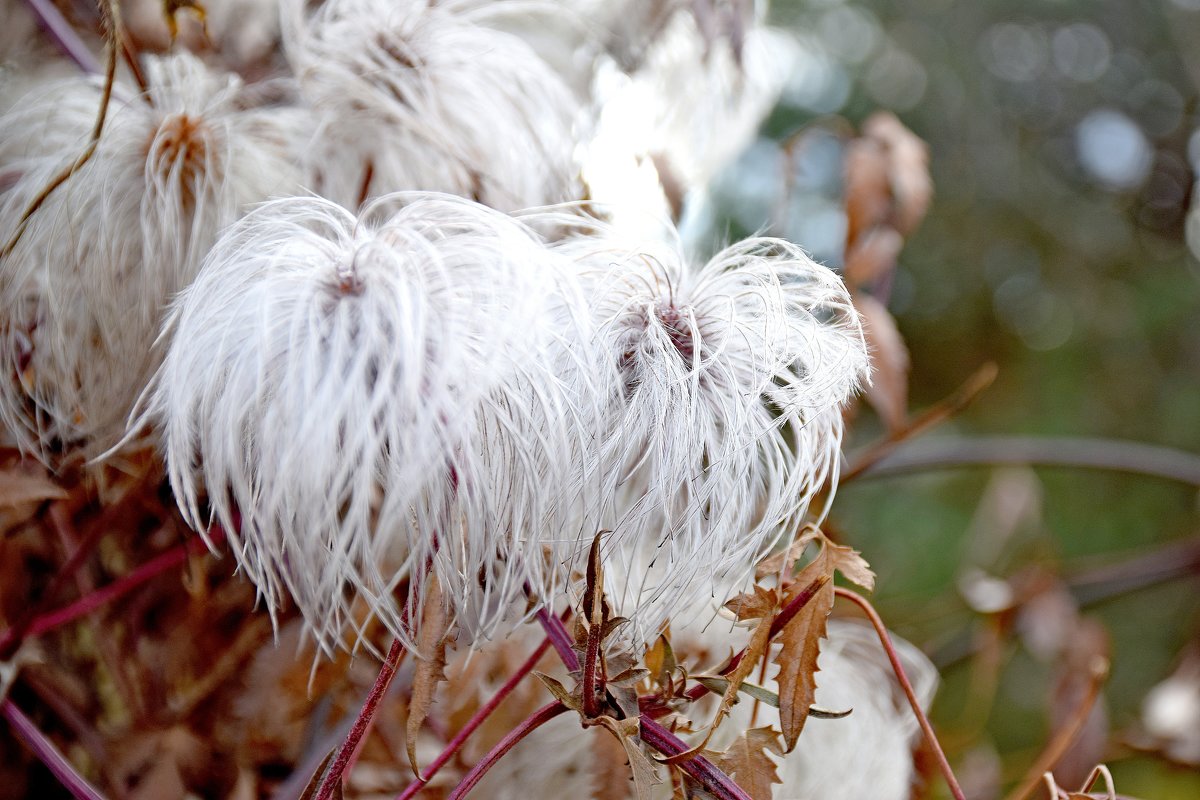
(49, 755)
(535, 721)
(362, 722)
(475, 721)
(57, 27)
(97, 599)
(556, 632)
(716, 782)
(653, 734)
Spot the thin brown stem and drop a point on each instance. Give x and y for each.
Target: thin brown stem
(1065, 736)
(906, 685)
(532, 723)
(962, 397)
(112, 15)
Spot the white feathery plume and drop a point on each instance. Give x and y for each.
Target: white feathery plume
(723, 421)
(361, 397)
(414, 95)
(83, 290)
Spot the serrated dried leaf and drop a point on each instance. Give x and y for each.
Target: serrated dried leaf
(755, 651)
(560, 692)
(18, 486)
(430, 667)
(784, 561)
(748, 762)
(800, 645)
(755, 604)
(851, 564)
(645, 776)
(888, 392)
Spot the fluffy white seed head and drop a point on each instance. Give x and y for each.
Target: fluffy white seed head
(83, 291)
(414, 95)
(723, 408)
(360, 397)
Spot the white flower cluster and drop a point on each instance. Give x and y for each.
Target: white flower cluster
(389, 371)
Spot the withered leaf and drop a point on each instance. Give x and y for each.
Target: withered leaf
(851, 564)
(755, 651)
(868, 188)
(660, 660)
(888, 392)
(784, 561)
(561, 693)
(907, 167)
(18, 486)
(797, 658)
(755, 604)
(430, 666)
(645, 776)
(748, 762)
(872, 256)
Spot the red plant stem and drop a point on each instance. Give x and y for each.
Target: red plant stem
(905, 684)
(556, 632)
(532, 723)
(716, 782)
(655, 735)
(53, 22)
(475, 721)
(97, 599)
(49, 755)
(362, 722)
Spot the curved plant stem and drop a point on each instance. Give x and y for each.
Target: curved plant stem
(532, 723)
(906, 685)
(68, 41)
(1066, 735)
(362, 722)
(475, 721)
(49, 755)
(706, 773)
(962, 397)
(1048, 451)
(112, 16)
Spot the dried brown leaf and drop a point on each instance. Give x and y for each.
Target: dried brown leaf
(747, 762)
(907, 169)
(645, 776)
(800, 645)
(430, 666)
(867, 188)
(18, 486)
(755, 604)
(888, 392)
(851, 564)
(785, 560)
(872, 256)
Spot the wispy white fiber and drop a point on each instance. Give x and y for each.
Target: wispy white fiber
(82, 292)
(416, 95)
(367, 399)
(723, 408)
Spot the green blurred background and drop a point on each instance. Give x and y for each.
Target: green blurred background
(1063, 137)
